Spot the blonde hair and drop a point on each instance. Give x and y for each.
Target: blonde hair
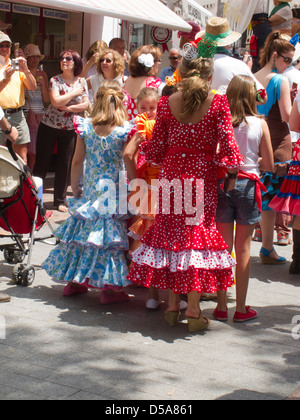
(148, 93)
(109, 108)
(241, 94)
(96, 47)
(195, 86)
(118, 62)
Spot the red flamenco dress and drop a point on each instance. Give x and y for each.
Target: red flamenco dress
(176, 254)
(287, 199)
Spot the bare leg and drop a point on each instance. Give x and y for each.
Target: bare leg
(267, 226)
(242, 246)
(227, 232)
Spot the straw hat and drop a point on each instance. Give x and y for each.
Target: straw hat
(219, 30)
(4, 26)
(32, 49)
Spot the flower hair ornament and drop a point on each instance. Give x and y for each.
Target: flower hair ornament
(205, 48)
(146, 60)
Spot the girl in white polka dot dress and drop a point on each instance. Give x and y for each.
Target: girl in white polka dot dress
(193, 135)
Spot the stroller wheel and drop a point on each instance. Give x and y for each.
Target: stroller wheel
(9, 255)
(23, 275)
(13, 256)
(28, 276)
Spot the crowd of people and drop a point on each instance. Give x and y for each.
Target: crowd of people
(216, 133)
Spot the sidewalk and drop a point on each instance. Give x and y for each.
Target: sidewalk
(53, 347)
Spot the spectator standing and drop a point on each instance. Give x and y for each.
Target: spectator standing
(110, 66)
(174, 58)
(13, 83)
(35, 99)
(143, 68)
(225, 67)
(276, 57)
(68, 97)
(119, 45)
(281, 17)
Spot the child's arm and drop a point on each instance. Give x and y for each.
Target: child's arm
(129, 153)
(76, 169)
(266, 149)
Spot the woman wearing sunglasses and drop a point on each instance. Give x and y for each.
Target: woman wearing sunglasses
(110, 66)
(69, 97)
(275, 58)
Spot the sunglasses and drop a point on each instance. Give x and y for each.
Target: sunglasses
(174, 58)
(287, 60)
(107, 60)
(66, 58)
(5, 45)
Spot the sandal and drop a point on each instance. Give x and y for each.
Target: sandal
(195, 324)
(172, 317)
(62, 208)
(265, 258)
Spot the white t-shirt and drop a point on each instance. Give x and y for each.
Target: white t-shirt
(261, 7)
(225, 68)
(287, 14)
(248, 137)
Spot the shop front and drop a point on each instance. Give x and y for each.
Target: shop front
(51, 29)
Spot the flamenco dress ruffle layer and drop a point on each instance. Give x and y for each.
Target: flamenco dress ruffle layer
(174, 254)
(288, 198)
(94, 238)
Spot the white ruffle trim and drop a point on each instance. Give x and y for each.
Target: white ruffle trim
(182, 260)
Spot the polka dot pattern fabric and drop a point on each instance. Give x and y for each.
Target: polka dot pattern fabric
(174, 254)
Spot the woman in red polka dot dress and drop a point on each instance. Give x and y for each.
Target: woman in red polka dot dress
(192, 137)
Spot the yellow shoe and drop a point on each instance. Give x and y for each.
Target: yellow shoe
(172, 317)
(195, 325)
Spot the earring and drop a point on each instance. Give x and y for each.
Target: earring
(274, 69)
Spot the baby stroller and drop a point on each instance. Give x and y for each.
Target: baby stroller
(21, 213)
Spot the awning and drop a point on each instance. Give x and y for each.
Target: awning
(151, 12)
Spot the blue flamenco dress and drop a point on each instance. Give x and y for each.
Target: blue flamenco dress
(94, 238)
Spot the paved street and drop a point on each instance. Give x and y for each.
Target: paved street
(53, 347)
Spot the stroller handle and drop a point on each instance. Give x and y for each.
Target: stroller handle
(11, 150)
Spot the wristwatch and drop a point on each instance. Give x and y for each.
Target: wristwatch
(8, 131)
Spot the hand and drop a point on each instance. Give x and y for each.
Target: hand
(8, 72)
(13, 136)
(23, 64)
(79, 91)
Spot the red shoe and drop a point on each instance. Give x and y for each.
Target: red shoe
(221, 315)
(116, 297)
(74, 290)
(241, 317)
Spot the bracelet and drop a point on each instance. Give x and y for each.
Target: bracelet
(232, 176)
(7, 132)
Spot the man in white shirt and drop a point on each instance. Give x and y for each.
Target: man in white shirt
(226, 67)
(261, 28)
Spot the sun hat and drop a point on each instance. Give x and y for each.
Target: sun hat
(4, 26)
(32, 49)
(218, 29)
(4, 37)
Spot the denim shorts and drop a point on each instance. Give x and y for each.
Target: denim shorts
(238, 205)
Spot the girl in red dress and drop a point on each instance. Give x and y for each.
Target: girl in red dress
(181, 251)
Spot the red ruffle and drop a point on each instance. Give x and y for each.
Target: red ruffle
(286, 205)
(182, 237)
(290, 187)
(182, 282)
